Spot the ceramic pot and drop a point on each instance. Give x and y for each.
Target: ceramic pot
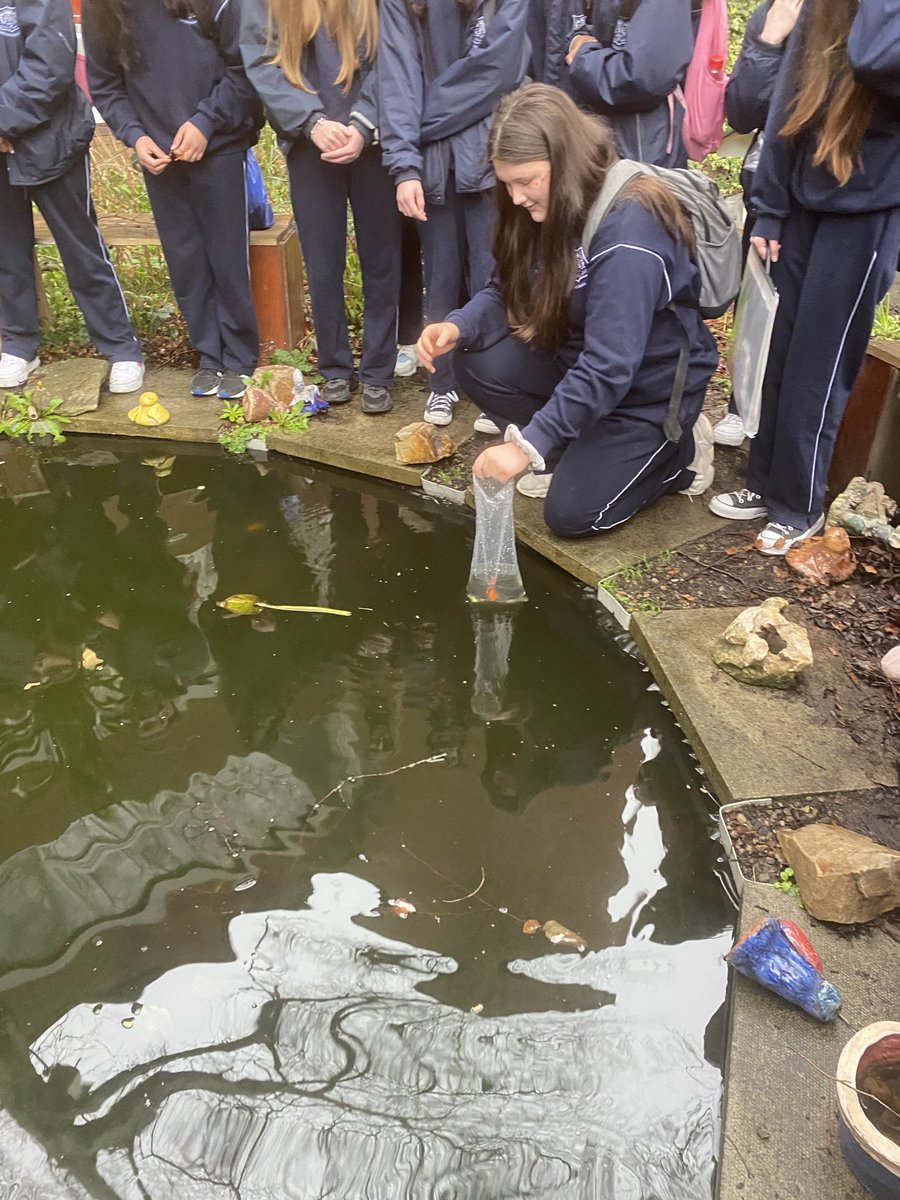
(872, 1156)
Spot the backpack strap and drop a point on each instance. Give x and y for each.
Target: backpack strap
(672, 425)
(617, 179)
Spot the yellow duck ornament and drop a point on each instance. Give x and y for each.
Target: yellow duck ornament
(149, 411)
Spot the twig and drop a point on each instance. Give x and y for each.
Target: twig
(844, 1082)
(471, 894)
(719, 570)
(435, 758)
(459, 886)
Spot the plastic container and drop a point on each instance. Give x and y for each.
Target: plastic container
(873, 1157)
(494, 577)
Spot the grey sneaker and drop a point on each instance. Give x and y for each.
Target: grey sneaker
(231, 385)
(376, 399)
(336, 391)
(439, 408)
(777, 539)
(205, 382)
(738, 506)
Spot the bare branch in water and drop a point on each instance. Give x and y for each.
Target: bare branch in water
(435, 758)
(471, 894)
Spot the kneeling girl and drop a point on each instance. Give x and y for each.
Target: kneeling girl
(575, 354)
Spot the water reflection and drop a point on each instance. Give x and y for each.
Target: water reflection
(169, 1030)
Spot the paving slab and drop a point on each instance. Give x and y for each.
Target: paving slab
(76, 381)
(754, 742)
(779, 1131)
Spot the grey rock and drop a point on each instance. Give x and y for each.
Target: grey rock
(77, 382)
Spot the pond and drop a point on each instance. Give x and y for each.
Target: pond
(263, 880)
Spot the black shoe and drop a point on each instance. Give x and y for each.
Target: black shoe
(336, 391)
(231, 385)
(376, 399)
(205, 382)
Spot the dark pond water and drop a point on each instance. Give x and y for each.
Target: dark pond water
(204, 991)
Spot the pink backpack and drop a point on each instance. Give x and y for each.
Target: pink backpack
(704, 84)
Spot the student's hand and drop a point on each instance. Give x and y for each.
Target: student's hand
(150, 156)
(349, 152)
(436, 340)
(582, 39)
(329, 135)
(6, 146)
(764, 248)
(501, 463)
(411, 199)
(780, 21)
(190, 144)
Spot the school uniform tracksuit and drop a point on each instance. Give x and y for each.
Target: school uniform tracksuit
(594, 410)
(321, 190)
(629, 76)
(179, 74)
(47, 119)
(839, 249)
(440, 78)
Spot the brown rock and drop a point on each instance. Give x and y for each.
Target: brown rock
(259, 404)
(825, 559)
(279, 382)
(422, 443)
(77, 382)
(842, 876)
(762, 647)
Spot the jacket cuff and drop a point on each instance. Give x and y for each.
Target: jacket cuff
(405, 177)
(366, 128)
(466, 332)
(768, 227)
(311, 121)
(204, 124)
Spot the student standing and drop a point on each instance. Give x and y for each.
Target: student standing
(313, 65)
(748, 95)
(827, 204)
(444, 65)
(46, 128)
(575, 354)
(622, 59)
(171, 85)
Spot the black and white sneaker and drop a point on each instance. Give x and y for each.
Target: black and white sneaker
(484, 424)
(777, 538)
(205, 382)
(439, 407)
(738, 506)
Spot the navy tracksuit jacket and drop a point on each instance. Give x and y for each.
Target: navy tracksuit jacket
(594, 410)
(629, 76)
(181, 72)
(440, 78)
(839, 249)
(49, 123)
(320, 192)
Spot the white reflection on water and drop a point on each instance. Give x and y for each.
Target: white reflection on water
(312, 1067)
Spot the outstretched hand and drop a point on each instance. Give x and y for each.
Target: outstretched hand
(436, 340)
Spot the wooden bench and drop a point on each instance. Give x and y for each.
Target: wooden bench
(276, 271)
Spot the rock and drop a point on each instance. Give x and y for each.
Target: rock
(763, 648)
(864, 509)
(282, 383)
(825, 559)
(890, 664)
(842, 876)
(259, 404)
(77, 382)
(422, 443)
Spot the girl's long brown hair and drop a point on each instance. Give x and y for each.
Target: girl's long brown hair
(829, 101)
(351, 24)
(540, 123)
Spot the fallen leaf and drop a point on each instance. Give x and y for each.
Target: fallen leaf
(836, 653)
(560, 936)
(531, 927)
(477, 1008)
(89, 659)
(729, 550)
(870, 570)
(401, 908)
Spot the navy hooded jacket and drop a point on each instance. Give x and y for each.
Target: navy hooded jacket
(786, 175)
(440, 77)
(628, 76)
(624, 342)
(43, 112)
(178, 74)
(292, 112)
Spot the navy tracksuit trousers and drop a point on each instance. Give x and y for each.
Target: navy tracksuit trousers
(456, 246)
(616, 467)
(320, 192)
(200, 211)
(65, 204)
(832, 271)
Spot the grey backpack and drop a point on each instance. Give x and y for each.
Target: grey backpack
(717, 253)
(718, 245)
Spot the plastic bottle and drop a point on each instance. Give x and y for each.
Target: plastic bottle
(717, 66)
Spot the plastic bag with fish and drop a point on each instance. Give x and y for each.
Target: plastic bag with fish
(494, 577)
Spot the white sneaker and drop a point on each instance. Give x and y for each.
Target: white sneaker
(534, 486)
(439, 408)
(407, 362)
(483, 424)
(702, 462)
(126, 377)
(14, 371)
(777, 539)
(729, 431)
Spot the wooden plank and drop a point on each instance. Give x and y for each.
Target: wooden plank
(139, 229)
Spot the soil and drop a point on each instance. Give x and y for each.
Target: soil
(456, 471)
(860, 616)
